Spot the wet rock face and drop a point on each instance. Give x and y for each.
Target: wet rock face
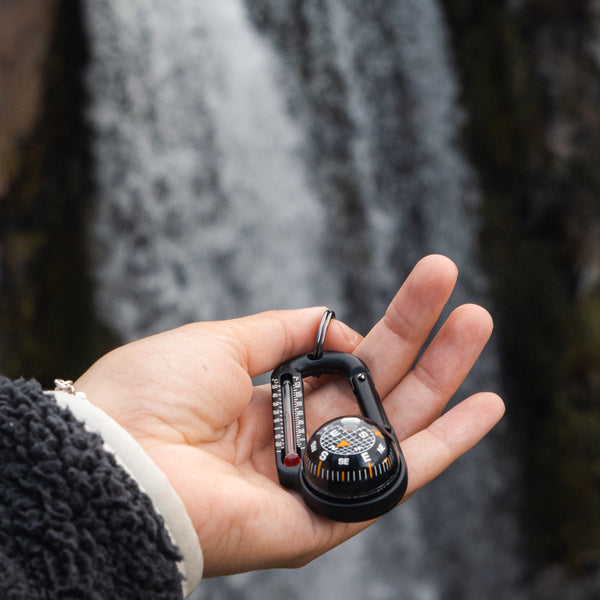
(25, 30)
(531, 86)
(46, 315)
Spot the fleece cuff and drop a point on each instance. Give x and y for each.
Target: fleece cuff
(148, 476)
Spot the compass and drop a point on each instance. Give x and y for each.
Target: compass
(350, 457)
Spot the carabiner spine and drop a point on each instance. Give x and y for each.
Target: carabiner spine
(368, 399)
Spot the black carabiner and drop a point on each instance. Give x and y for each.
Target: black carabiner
(352, 468)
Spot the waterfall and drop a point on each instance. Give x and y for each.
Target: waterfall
(195, 155)
(277, 154)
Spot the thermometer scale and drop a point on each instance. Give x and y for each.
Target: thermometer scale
(288, 419)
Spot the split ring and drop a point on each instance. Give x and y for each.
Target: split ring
(321, 333)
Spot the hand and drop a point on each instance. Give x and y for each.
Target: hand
(187, 397)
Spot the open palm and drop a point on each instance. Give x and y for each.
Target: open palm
(187, 397)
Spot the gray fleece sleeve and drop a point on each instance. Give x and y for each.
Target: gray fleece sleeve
(73, 523)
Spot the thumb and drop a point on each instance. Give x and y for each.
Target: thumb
(267, 339)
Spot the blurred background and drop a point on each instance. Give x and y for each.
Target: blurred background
(162, 162)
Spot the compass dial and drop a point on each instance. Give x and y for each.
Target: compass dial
(350, 457)
(347, 438)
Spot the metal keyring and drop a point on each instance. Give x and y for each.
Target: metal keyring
(321, 333)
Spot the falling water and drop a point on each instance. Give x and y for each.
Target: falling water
(280, 154)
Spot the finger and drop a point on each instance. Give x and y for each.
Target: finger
(265, 340)
(432, 450)
(422, 395)
(391, 347)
